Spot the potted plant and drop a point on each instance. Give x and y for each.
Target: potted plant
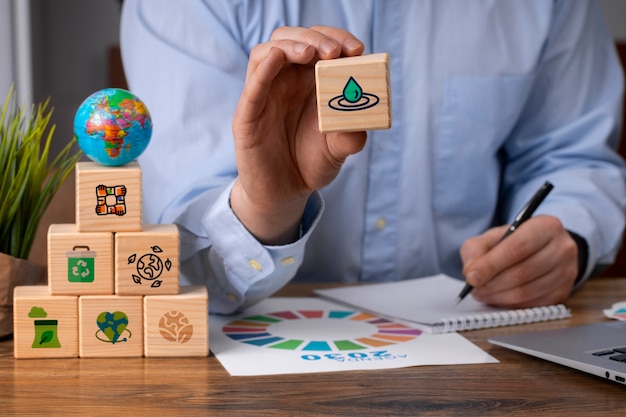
(28, 181)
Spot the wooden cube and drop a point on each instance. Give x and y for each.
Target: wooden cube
(353, 94)
(108, 199)
(110, 326)
(177, 325)
(45, 326)
(146, 262)
(79, 263)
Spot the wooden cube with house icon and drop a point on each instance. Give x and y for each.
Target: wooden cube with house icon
(177, 325)
(147, 262)
(353, 93)
(108, 198)
(79, 263)
(44, 325)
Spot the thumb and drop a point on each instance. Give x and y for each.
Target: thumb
(341, 145)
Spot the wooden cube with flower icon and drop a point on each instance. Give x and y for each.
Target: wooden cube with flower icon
(147, 262)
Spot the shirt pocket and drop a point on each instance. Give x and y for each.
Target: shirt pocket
(478, 114)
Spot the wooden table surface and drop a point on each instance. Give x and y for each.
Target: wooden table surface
(517, 386)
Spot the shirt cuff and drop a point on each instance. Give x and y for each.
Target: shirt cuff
(254, 271)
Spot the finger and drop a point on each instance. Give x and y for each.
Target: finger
(477, 246)
(528, 239)
(517, 275)
(328, 42)
(550, 288)
(266, 62)
(256, 87)
(350, 45)
(294, 52)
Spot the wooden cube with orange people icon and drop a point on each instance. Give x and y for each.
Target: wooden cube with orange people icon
(108, 199)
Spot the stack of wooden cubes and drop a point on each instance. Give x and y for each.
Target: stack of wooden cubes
(113, 282)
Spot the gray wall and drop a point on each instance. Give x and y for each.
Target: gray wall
(615, 14)
(6, 49)
(70, 40)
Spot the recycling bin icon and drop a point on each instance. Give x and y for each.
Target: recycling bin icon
(80, 264)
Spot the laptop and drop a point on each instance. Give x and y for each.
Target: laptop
(599, 348)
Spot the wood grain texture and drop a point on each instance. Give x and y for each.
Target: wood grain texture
(101, 190)
(79, 263)
(177, 325)
(45, 326)
(93, 340)
(369, 111)
(147, 262)
(517, 386)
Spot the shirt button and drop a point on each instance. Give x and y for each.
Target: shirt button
(255, 265)
(287, 261)
(232, 297)
(381, 223)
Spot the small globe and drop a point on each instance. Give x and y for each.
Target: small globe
(113, 127)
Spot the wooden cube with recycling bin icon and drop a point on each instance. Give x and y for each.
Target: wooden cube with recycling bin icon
(79, 262)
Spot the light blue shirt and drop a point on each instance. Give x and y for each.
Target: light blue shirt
(490, 99)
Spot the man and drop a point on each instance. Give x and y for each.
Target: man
(490, 99)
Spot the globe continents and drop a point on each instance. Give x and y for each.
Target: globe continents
(112, 126)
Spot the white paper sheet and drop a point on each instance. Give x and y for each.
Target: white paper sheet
(303, 335)
(430, 303)
(423, 300)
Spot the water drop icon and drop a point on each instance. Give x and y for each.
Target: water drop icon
(352, 92)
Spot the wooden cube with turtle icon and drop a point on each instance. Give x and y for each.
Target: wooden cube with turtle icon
(147, 262)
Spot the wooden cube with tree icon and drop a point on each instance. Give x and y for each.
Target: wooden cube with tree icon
(110, 326)
(79, 263)
(108, 199)
(177, 325)
(44, 325)
(147, 262)
(353, 93)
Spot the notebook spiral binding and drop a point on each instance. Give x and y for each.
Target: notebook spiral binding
(505, 318)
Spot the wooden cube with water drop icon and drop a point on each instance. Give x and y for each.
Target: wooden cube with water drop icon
(177, 325)
(79, 263)
(110, 326)
(44, 325)
(108, 198)
(353, 93)
(147, 262)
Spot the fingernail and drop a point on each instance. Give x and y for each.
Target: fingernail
(328, 46)
(473, 277)
(299, 48)
(352, 44)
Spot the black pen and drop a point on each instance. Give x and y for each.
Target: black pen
(525, 213)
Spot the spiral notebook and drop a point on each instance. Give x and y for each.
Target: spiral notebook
(430, 303)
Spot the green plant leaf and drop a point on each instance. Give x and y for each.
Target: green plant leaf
(28, 181)
(46, 337)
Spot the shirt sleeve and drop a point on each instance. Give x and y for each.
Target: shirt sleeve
(568, 132)
(187, 62)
